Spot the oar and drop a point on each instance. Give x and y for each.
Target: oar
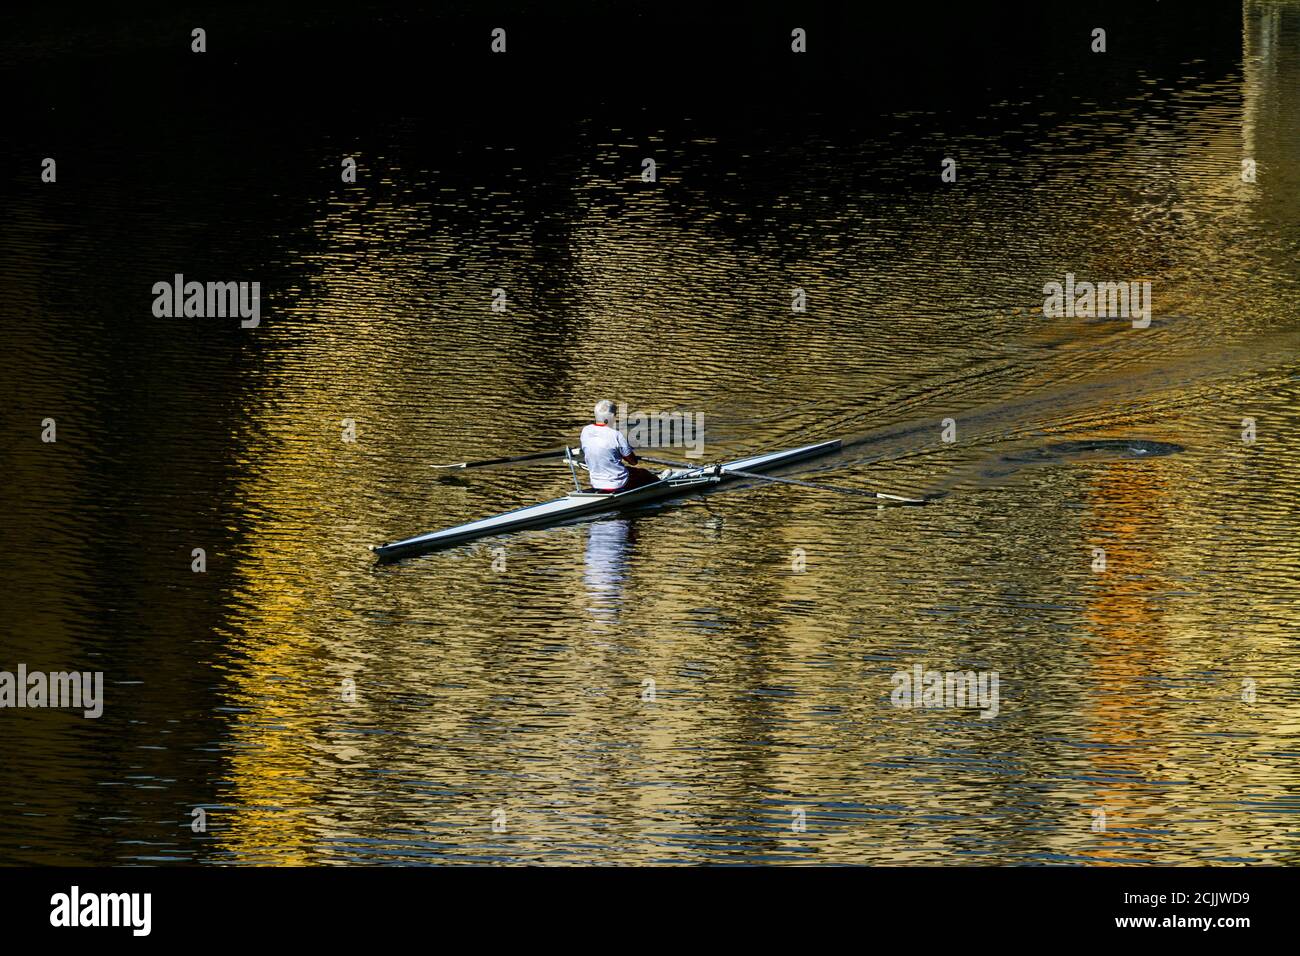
(511, 460)
(793, 481)
(820, 487)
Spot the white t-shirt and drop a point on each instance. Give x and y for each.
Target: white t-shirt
(602, 448)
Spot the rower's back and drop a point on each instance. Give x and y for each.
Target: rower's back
(603, 449)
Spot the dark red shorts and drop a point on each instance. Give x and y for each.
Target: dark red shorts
(636, 477)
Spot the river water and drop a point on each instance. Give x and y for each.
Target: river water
(708, 681)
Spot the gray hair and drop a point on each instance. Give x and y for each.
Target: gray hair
(605, 411)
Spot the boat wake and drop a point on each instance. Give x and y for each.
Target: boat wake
(1103, 448)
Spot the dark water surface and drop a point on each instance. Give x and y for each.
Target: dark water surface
(512, 681)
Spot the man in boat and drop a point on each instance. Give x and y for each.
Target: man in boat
(611, 462)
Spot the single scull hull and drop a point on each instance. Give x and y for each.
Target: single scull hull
(673, 483)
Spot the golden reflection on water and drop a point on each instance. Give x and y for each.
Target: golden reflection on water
(1129, 640)
(511, 675)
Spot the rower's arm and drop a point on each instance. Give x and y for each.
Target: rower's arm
(630, 456)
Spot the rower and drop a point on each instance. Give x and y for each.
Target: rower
(610, 459)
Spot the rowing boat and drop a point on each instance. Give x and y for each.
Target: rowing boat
(580, 504)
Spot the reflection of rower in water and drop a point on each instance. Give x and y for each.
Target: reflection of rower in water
(609, 457)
